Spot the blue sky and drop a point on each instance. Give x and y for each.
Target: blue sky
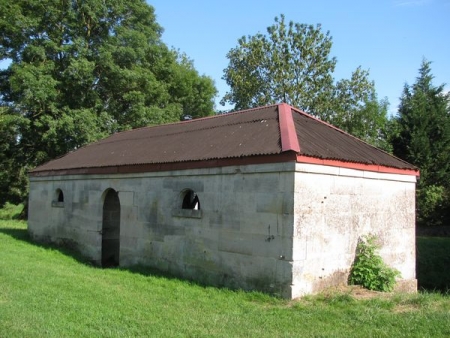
(388, 37)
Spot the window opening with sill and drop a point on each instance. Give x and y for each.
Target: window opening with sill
(58, 200)
(191, 200)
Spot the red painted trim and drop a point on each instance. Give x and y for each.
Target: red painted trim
(357, 166)
(155, 167)
(289, 139)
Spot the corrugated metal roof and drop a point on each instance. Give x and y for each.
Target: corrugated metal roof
(249, 133)
(321, 140)
(254, 132)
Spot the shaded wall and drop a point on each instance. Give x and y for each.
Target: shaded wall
(241, 237)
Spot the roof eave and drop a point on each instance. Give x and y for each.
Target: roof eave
(357, 166)
(287, 156)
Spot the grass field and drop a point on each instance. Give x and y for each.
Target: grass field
(48, 292)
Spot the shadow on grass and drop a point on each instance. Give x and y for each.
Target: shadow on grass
(432, 259)
(70, 251)
(23, 235)
(20, 234)
(432, 263)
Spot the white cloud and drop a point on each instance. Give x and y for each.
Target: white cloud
(410, 3)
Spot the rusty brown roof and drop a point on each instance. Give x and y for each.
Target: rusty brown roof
(271, 130)
(321, 140)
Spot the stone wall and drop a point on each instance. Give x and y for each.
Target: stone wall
(334, 207)
(241, 237)
(288, 229)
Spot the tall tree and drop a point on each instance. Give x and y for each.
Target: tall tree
(357, 110)
(12, 174)
(82, 69)
(292, 64)
(423, 138)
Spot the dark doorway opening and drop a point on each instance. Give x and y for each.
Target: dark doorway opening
(111, 229)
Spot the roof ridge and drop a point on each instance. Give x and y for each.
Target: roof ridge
(288, 133)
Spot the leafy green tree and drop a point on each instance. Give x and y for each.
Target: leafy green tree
(191, 91)
(359, 112)
(83, 69)
(292, 64)
(423, 138)
(12, 175)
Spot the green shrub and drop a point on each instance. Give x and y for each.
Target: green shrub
(432, 205)
(11, 211)
(369, 270)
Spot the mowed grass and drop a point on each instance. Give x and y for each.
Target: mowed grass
(48, 292)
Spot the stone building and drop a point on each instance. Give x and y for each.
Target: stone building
(270, 199)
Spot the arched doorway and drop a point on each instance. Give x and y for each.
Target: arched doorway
(111, 229)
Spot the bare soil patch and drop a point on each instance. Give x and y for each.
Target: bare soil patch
(356, 291)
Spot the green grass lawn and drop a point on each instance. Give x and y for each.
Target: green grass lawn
(48, 292)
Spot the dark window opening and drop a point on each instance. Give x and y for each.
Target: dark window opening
(60, 195)
(58, 199)
(191, 201)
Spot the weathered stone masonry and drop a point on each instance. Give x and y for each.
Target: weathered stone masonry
(287, 228)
